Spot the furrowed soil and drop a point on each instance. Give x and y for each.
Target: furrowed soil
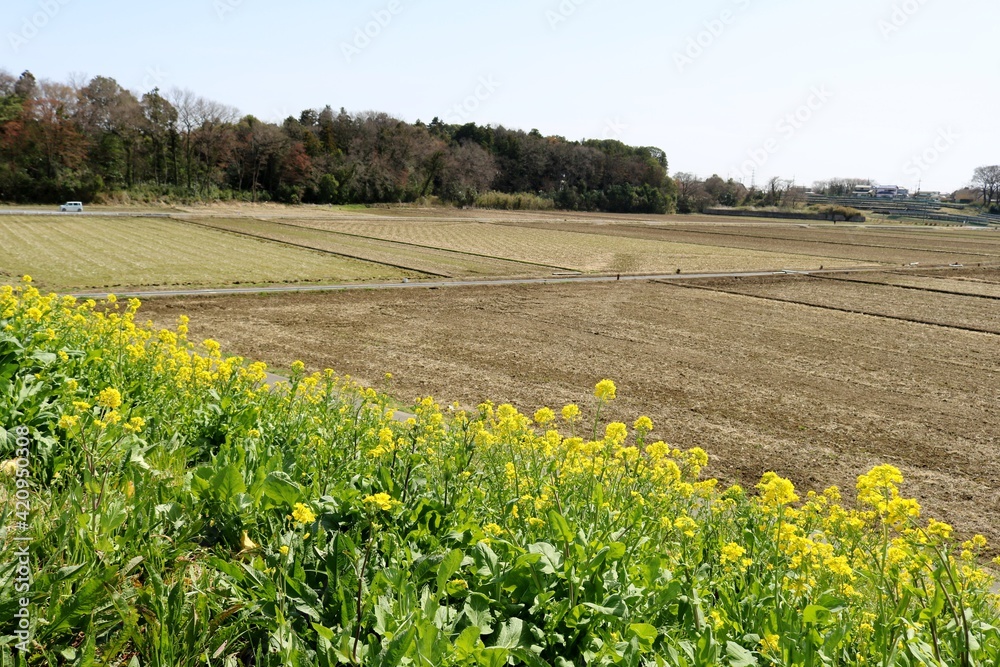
(862, 245)
(805, 389)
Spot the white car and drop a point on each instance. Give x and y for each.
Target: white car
(72, 207)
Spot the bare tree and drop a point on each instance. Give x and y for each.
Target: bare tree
(7, 81)
(185, 103)
(987, 180)
(213, 138)
(107, 107)
(469, 170)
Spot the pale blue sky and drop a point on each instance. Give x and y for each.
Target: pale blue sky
(888, 80)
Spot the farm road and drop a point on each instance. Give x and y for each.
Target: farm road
(506, 282)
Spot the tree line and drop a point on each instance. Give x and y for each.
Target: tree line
(96, 140)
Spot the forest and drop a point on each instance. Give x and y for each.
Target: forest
(97, 141)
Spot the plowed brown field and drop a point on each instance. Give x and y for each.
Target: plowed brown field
(765, 374)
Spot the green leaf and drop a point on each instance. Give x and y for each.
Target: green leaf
(201, 480)
(398, 647)
(76, 609)
(322, 631)
(815, 613)
(228, 483)
(616, 612)
(43, 358)
(646, 634)
(492, 657)
(598, 495)
(561, 525)
(510, 634)
(551, 559)
(448, 567)
(280, 488)
(466, 642)
(936, 606)
(528, 657)
(477, 611)
(740, 656)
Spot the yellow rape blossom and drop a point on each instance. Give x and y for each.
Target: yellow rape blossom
(616, 432)
(686, 525)
(303, 513)
(731, 553)
(769, 644)
(776, 491)
(109, 398)
(544, 416)
(383, 501)
(135, 425)
(492, 529)
(605, 390)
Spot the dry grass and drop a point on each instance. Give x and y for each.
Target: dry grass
(444, 263)
(96, 252)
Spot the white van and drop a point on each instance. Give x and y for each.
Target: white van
(72, 207)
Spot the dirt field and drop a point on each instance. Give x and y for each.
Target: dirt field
(815, 393)
(565, 248)
(850, 243)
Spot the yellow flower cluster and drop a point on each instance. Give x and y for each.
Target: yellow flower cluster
(303, 513)
(605, 390)
(382, 501)
(776, 491)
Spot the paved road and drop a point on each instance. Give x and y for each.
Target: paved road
(424, 284)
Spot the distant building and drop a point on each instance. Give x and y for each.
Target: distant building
(967, 196)
(862, 191)
(886, 191)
